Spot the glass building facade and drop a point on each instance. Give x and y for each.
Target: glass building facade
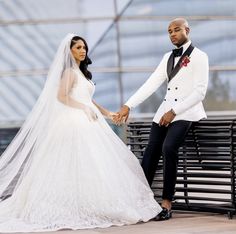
(127, 40)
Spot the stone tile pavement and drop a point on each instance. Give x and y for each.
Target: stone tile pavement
(181, 223)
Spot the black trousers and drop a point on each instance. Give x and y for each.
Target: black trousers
(165, 141)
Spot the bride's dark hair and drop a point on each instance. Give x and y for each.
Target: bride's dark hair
(83, 64)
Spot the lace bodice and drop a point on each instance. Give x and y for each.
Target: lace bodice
(83, 89)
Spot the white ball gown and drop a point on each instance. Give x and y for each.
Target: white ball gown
(84, 177)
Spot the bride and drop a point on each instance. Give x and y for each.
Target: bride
(66, 168)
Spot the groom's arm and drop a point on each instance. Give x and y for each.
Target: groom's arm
(150, 86)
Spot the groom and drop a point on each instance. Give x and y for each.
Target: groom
(186, 71)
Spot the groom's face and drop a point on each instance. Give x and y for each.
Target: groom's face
(178, 33)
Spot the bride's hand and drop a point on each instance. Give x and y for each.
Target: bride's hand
(111, 115)
(92, 116)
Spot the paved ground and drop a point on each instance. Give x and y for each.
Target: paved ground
(181, 223)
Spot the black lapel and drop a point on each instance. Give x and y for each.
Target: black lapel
(177, 67)
(170, 64)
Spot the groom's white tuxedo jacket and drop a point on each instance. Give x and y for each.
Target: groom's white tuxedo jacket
(185, 91)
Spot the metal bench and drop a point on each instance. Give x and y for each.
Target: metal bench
(206, 179)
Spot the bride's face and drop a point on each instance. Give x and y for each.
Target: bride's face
(78, 50)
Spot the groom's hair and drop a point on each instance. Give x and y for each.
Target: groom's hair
(83, 64)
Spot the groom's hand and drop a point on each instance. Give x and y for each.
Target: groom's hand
(167, 118)
(123, 114)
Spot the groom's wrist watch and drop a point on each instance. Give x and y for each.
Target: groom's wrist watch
(173, 112)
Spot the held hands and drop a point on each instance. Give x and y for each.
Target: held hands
(122, 115)
(111, 115)
(167, 118)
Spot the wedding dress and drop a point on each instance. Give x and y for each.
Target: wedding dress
(80, 175)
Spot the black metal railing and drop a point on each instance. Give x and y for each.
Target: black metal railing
(6, 136)
(206, 178)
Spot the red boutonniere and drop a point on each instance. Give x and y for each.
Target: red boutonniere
(185, 61)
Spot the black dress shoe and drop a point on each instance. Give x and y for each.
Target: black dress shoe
(165, 214)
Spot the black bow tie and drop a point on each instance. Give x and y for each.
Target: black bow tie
(178, 52)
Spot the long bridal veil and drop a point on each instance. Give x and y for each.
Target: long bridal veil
(17, 158)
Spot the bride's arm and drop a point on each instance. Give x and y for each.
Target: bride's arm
(67, 81)
(105, 112)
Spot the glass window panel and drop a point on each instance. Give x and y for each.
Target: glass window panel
(221, 95)
(146, 44)
(121, 4)
(107, 90)
(18, 95)
(104, 53)
(182, 7)
(40, 10)
(44, 9)
(34, 46)
(99, 8)
(133, 81)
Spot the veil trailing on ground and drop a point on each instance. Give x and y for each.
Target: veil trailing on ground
(17, 158)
